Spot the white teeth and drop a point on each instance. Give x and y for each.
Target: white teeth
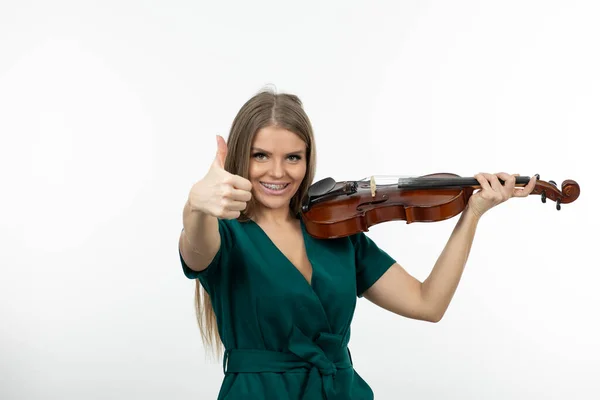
(273, 187)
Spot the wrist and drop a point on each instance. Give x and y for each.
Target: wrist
(472, 214)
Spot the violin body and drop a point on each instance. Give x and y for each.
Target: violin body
(337, 209)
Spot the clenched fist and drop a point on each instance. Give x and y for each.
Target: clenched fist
(220, 193)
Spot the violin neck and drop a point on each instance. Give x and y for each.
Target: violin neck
(449, 182)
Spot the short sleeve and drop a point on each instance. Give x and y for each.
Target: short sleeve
(371, 262)
(218, 262)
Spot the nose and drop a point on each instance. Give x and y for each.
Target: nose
(278, 169)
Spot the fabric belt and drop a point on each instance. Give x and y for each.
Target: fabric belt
(323, 358)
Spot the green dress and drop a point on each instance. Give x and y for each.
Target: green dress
(285, 337)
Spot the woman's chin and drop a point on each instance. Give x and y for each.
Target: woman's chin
(273, 202)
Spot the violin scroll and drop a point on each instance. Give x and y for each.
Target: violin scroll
(568, 193)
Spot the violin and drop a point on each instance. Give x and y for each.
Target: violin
(333, 209)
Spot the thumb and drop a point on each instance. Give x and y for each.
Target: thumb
(221, 151)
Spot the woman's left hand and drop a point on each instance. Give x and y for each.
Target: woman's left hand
(493, 192)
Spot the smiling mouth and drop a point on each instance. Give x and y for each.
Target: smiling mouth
(271, 186)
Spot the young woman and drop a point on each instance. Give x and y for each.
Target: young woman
(280, 301)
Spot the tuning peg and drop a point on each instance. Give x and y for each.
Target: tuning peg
(558, 204)
(544, 196)
(537, 176)
(552, 182)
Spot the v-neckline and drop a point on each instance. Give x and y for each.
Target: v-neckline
(290, 264)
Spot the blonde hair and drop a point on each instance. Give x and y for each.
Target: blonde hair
(266, 108)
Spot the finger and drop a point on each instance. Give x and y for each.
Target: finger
(228, 208)
(508, 188)
(239, 182)
(483, 182)
(531, 184)
(527, 189)
(232, 205)
(230, 214)
(239, 195)
(509, 180)
(519, 192)
(221, 151)
(494, 182)
(228, 191)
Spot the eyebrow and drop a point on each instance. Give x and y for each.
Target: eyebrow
(258, 149)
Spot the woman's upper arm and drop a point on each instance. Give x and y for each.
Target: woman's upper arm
(195, 260)
(399, 292)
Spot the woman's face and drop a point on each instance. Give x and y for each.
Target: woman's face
(277, 166)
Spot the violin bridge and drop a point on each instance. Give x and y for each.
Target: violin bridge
(373, 186)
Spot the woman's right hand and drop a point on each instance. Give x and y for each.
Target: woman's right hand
(220, 193)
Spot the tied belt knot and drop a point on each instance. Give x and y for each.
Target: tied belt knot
(323, 357)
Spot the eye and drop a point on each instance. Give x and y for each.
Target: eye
(259, 156)
(295, 157)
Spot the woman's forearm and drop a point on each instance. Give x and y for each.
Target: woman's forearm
(440, 286)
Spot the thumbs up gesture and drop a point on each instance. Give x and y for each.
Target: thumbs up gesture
(220, 193)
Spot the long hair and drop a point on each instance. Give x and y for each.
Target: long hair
(264, 109)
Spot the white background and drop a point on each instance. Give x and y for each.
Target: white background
(108, 115)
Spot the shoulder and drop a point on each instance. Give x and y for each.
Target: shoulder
(233, 229)
(362, 242)
(371, 262)
(367, 253)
